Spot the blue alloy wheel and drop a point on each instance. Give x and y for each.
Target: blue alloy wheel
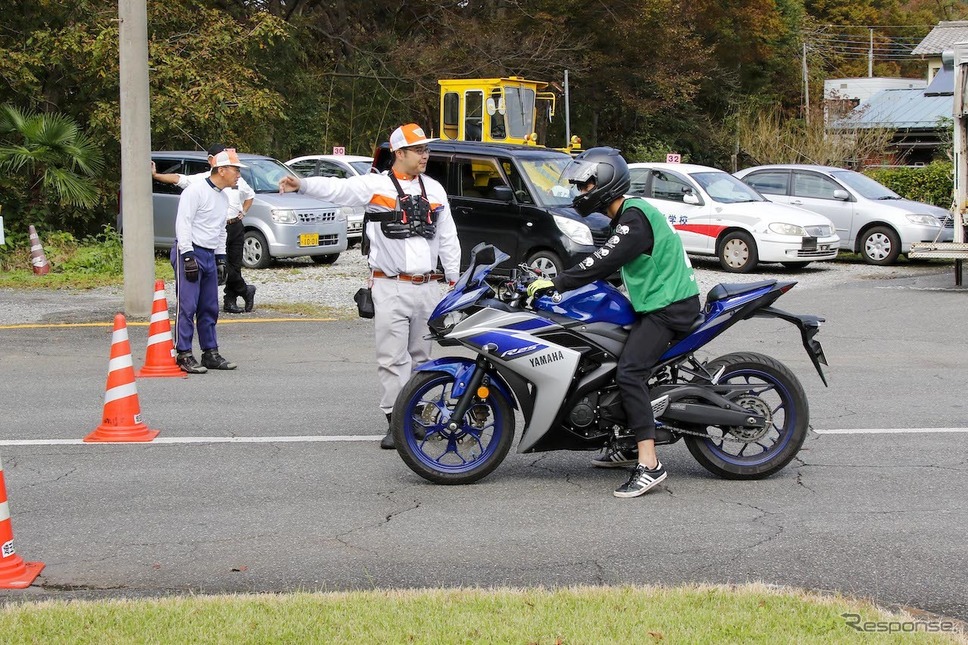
(432, 449)
(770, 390)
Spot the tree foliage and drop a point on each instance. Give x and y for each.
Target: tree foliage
(288, 77)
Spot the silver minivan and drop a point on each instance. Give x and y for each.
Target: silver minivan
(277, 225)
(870, 218)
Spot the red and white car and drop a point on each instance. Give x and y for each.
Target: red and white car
(718, 215)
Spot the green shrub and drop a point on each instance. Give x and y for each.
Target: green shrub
(932, 184)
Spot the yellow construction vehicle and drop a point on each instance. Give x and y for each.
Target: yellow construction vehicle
(495, 110)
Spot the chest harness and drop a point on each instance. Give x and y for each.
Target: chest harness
(413, 216)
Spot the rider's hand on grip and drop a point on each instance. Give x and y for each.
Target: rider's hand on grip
(191, 267)
(540, 287)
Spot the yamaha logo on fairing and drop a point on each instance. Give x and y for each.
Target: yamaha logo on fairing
(544, 359)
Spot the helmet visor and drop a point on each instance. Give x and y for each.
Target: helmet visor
(575, 175)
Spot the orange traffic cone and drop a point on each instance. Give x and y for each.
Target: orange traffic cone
(14, 572)
(37, 257)
(160, 357)
(122, 412)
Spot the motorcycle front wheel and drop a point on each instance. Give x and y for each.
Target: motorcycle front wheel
(771, 390)
(420, 424)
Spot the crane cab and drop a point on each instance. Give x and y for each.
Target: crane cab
(495, 110)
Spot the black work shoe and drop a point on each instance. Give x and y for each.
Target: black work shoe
(641, 481)
(387, 442)
(186, 361)
(231, 305)
(249, 297)
(214, 361)
(617, 456)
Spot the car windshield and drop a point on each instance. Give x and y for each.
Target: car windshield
(362, 167)
(264, 174)
(864, 185)
(726, 189)
(544, 175)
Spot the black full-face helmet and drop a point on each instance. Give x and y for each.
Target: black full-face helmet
(604, 167)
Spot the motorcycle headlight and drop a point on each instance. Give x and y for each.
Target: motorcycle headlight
(924, 220)
(283, 216)
(782, 228)
(576, 231)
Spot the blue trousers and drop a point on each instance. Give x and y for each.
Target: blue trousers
(197, 301)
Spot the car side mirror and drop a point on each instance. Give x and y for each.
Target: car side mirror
(502, 193)
(842, 195)
(690, 198)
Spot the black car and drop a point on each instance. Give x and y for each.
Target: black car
(509, 196)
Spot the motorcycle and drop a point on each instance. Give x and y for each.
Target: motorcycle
(553, 358)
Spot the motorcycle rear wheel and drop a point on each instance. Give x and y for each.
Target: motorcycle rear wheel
(424, 441)
(773, 387)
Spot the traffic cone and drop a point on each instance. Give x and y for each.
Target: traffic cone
(122, 412)
(37, 257)
(160, 357)
(14, 572)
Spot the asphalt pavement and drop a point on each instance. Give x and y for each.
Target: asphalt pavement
(269, 478)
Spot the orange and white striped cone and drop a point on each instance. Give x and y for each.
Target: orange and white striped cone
(121, 420)
(160, 357)
(14, 572)
(37, 258)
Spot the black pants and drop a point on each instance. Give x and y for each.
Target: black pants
(648, 340)
(234, 236)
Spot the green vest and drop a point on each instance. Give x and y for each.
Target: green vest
(657, 280)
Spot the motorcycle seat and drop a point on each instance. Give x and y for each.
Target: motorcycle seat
(721, 291)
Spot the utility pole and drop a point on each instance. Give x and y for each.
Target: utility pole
(806, 86)
(870, 57)
(139, 230)
(567, 114)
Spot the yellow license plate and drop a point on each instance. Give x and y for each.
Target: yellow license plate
(309, 239)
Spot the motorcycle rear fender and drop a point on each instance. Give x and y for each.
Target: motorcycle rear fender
(808, 325)
(461, 369)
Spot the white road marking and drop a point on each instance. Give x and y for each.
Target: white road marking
(174, 440)
(888, 430)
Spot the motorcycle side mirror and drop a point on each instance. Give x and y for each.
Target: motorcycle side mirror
(485, 256)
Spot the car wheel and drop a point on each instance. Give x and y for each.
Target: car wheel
(547, 263)
(325, 259)
(255, 250)
(737, 252)
(880, 245)
(795, 265)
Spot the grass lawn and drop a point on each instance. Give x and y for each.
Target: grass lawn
(693, 614)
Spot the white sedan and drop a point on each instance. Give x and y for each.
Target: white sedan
(716, 214)
(337, 166)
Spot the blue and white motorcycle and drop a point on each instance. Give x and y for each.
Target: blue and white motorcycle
(742, 416)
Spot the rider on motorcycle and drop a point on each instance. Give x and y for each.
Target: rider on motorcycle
(661, 286)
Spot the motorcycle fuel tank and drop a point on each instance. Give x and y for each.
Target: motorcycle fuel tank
(595, 302)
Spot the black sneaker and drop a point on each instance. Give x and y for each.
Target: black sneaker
(214, 361)
(186, 361)
(641, 481)
(249, 297)
(617, 456)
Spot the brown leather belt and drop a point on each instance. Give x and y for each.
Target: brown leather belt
(416, 278)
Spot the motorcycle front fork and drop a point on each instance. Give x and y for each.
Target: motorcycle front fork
(477, 381)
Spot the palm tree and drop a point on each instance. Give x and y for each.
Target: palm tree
(56, 160)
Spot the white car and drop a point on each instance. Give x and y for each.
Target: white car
(716, 214)
(337, 166)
